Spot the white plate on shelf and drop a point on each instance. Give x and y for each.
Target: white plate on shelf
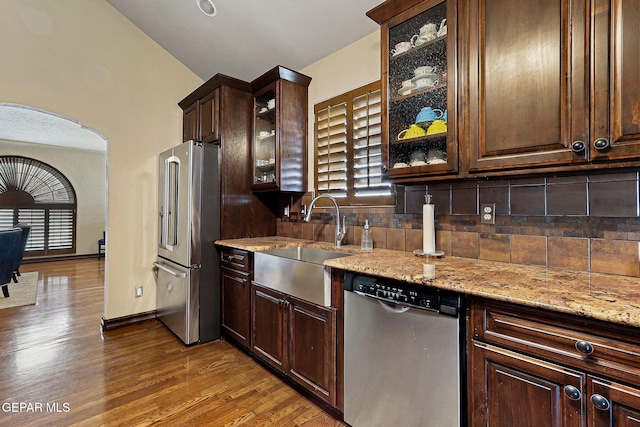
(400, 165)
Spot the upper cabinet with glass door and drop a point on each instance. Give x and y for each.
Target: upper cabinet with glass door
(419, 93)
(279, 154)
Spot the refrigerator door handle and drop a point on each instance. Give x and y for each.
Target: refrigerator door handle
(168, 270)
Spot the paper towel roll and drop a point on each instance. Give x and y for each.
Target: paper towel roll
(428, 229)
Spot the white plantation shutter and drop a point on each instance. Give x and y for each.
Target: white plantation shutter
(60, 229)
(331, 137)
(36, 218)
(349, 148)
(6, 218)
(367, 146)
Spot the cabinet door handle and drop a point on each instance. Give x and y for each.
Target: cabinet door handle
(572, 392)
(600, 402)
(578, 146)
(601, 144)
(584, 347)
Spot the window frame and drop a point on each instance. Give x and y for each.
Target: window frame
(351, 198)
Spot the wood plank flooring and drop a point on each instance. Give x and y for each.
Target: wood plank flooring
(58, 369)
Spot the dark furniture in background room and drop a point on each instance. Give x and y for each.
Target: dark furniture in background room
(9, 253)
(25, 229)
(101, 245)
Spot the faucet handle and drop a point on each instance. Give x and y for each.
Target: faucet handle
(344, 225)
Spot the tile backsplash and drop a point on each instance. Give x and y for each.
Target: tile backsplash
(580, 222)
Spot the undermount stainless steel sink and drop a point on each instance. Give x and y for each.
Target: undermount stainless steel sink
(296, 271)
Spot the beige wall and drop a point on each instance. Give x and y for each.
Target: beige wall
(83, 60)
(342, 71)
(86, 170)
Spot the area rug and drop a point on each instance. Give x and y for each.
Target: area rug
(22, 293)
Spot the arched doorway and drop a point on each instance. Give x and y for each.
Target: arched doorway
(74, 150)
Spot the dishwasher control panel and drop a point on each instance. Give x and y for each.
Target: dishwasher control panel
(427, 298)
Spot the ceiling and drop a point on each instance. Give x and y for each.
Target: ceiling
(246, 38)
(28, 124)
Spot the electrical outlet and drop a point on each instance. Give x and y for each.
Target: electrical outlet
(138, 291)
(488, 213)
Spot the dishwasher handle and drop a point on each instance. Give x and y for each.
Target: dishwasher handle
(391, 307)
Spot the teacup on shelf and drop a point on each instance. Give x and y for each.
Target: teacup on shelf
(428, 114)
(438, 126)
(401, 48)
(407, 87)
(425, 81)
(414, 131)
(424, 70)
(443, 28)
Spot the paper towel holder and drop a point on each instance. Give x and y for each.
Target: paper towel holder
(418, 252)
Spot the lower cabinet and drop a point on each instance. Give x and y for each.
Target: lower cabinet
(522, 391)
(235, 285)
(534, 369)
(269, 326)
(614, 404)
(297, 338)
(236, 303)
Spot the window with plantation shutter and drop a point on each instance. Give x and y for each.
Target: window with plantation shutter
(35, 193)
(348, 136)
(36, 218)
(331, 153)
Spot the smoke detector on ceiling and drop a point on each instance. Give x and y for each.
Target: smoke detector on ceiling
(207, 7)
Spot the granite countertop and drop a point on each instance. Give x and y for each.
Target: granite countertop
(594, 295)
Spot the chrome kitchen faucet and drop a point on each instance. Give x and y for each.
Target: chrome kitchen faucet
(341, 232)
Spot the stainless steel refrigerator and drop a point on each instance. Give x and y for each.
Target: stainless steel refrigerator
(187, 269)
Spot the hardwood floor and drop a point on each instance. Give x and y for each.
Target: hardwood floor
(58, 368)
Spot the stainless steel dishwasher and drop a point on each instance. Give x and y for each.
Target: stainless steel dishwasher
(403, 356)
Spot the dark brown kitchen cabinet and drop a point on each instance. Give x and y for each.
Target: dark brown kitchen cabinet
(312, 335)
(236, 295)
(269, 326)
(220, 112)
(210, 117)
(530, 367)
(615, 404)
(419, 90)
(191, 122)
(615, 108)
(523, 391)
(280, 110)
(297, 338)
(552, 84)
(528, 83)
(200, 119)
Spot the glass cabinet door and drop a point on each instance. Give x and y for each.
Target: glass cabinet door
(264, 140)
(419, 138)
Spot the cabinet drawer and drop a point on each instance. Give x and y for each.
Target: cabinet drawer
(612, 350)
(235, 259)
